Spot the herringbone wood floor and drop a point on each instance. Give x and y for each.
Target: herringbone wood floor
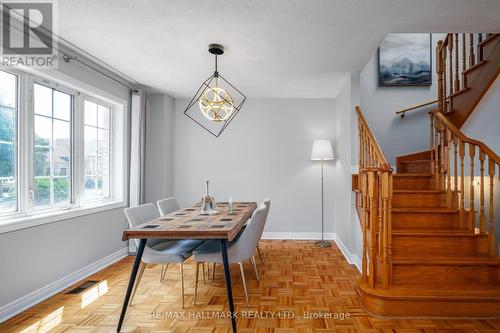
(295, 277)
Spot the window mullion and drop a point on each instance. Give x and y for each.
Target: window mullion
(25, 152)
(78, 154)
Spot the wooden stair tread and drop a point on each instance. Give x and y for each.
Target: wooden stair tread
(415, 161)
(456, 291)
(435, 233)
(436, 210)
(418, 191)
(413, 175)
(446, 261)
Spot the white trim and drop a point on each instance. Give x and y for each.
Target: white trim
(352, 259)
(298, 235)
(15, 307)
(28, 221)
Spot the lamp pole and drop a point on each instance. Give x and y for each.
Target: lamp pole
(322, 242)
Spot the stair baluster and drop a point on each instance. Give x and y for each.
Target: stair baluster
(457, 76)
(472, 222)
(431, 140)
(464, 57)
(491, 229)
(479, 47)
(450, 49)
(462, 183)
(443, 76)
(455, 168)
(482, 222)
(472, 57)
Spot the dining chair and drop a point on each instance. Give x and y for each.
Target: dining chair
(158, 251)
(266, 202)
(167, 206)
(238, 251)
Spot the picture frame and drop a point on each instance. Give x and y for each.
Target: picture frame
(405, 59)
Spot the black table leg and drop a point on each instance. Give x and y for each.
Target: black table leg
(223, 248)
(133, 274)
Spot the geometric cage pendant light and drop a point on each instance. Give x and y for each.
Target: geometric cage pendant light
(217, 101)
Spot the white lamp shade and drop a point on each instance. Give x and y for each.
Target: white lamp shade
(322, 150)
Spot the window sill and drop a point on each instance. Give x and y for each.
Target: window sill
(29, 221)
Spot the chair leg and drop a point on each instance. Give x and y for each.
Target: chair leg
(260, 256)
(204, 274)
(136, 285)
(254, 265)
(164, 268)
(182, 283)
(196, 279)
(213, 272)
(244, 282)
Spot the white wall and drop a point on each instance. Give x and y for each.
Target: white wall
(397, 136)
(484, 123)
(159, 147)
(265, 152)
(347, 227)
(35, 257)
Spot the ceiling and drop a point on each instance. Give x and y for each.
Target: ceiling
(274, 48)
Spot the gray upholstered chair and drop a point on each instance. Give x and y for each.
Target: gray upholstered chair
(239, 251)
(167, 206)
(158, 251)
(266, 202)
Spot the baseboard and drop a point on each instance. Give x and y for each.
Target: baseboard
(15, 307)
(352, 259)
(298, 235)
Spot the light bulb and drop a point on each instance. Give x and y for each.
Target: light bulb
(216, 104)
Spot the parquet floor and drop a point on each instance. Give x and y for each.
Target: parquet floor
(297, 279)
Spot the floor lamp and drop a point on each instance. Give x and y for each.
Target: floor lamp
(322, 151)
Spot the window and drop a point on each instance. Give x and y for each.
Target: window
(8, 142)
(97, 143)
(62, 151)
(52, 147)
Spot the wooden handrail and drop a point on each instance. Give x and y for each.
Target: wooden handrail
(464, 138)
(403, 111)
(380, 155)
(375, 187)
(456, 160)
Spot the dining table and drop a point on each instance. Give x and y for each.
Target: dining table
(191, 223)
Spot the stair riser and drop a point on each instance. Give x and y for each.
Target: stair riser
(419, 308)
(414, 167)
(413, 183)
(423, 220)
(436, 276)
(408, 247)
(422, 200)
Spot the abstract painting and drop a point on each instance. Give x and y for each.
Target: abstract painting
(404, 59)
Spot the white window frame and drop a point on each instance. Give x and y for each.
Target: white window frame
(81, 177)
(25, 216)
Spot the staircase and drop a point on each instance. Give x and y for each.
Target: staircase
(429, 242)
(429, 246)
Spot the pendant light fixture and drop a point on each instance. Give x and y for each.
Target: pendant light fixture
(217, 101)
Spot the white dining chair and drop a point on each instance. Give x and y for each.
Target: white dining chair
(238, 251)
(158, 251)
(266, 202)
(167, 206)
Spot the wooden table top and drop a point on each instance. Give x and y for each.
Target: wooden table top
(189, 223)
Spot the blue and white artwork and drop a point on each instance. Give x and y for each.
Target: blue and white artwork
(405, 60)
